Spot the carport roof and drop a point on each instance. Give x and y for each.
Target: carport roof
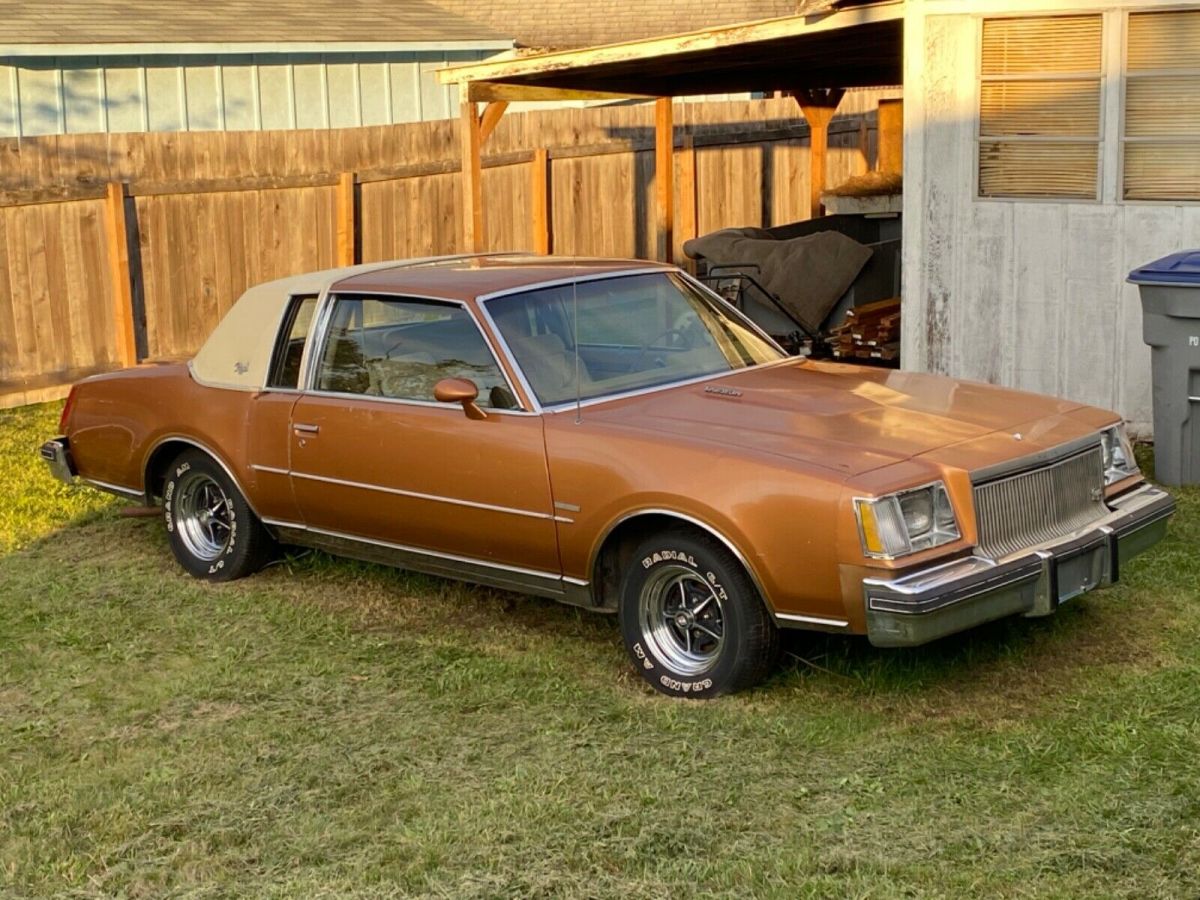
(858, 46)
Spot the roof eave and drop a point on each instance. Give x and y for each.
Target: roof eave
(190, 48)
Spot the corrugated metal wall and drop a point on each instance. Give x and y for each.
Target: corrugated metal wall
(74, 95)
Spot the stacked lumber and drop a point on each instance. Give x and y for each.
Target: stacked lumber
(871, 331)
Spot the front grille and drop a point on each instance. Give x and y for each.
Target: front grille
(1033, 507)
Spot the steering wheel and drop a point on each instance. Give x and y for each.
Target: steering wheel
(646, 347)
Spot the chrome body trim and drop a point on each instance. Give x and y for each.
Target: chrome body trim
(559, 282)
(119, 490)
(568, 507)
(199, 446)
(484, 299)
(819, 623)
(427, 404)
(434, 562)
(1034, 460)
(691, 520)
(324, 314)
(271, 470)
(417, 495)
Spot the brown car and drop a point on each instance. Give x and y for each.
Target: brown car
(613, 435)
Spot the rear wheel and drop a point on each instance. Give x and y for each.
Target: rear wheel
(213, 532)
(692, 620)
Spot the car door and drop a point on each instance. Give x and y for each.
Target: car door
(375, 458)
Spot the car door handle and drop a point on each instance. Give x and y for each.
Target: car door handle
(301, 428)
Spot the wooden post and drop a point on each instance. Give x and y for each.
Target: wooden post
(818, 106)
(472, 180)
(664, 176)
(541, 210)
(891, 137)
(688, 218)
(117, 236)
(346, 220)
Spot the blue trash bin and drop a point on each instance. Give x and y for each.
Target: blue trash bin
(1170, 291)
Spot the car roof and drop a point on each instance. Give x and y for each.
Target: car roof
(469, 277)
(238, 352)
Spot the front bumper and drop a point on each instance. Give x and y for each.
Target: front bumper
(931, 603)
(57, 454)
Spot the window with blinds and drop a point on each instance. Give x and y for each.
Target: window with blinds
(1161, 140)
(1039, 107)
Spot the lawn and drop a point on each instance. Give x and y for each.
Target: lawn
(328, 728)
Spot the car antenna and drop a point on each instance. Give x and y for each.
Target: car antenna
(575, 343)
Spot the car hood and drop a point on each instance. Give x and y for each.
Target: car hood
(853, 419)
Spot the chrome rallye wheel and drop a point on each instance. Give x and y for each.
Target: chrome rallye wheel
(692, 620)
(213, 532)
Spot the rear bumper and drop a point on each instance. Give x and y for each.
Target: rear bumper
(931, 603)
(57, 454)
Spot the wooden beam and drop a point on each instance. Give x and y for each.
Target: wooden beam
(472, 180)
(492, 113)
(117, 237)
(891, 137)
(688, 217)
(347, 215)
(491, 91)
(818, 106)
(743, 36)
(541, 209)
(664, 176)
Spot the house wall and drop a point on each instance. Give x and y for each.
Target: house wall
(70, 95)
(1028, 294)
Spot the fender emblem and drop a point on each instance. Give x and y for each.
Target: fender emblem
(723, 391)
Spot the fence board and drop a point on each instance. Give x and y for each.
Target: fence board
(218, 212)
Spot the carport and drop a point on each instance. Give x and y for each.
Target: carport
(814, 56)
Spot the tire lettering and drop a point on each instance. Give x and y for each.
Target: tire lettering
(686, 687)
(663, 555)
(641, 654)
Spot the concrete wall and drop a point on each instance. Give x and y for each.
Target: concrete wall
(73, 95)
(1029, 294)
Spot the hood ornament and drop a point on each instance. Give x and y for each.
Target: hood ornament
(1017, 436)
(723, 391)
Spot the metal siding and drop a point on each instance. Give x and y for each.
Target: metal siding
(41, 101)
(124, 98)
(1029, 294)
(9, 124)
(228, 92)
(165, 95)
(239, 94)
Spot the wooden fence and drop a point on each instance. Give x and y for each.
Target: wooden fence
(115, 248)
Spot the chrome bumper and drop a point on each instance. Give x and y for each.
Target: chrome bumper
(931, 603)
(57, 454)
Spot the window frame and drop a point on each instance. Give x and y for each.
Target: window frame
(1121, 140)
(1101, 76)
(324, 316)
(290, 308)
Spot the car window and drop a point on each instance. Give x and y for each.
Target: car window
(612, 335)
(401, 349)
(289, 346)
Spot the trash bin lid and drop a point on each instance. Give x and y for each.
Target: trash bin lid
(1178, 268)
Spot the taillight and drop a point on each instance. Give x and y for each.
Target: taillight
(66, 413)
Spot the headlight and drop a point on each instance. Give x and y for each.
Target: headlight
(1119, 461)
(906, 522)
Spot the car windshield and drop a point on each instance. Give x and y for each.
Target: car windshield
(631, 332)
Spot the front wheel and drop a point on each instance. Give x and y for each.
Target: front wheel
(213, 532)
(692, 620)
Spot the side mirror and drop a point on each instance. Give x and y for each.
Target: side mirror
(459, 390)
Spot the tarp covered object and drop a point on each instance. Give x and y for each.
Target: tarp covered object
(808, 274)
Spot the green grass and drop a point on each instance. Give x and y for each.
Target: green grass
(333, 729)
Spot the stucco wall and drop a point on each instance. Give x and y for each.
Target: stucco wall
(1029, 294)
(217, 93)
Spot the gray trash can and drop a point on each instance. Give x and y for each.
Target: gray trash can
(1170, 289)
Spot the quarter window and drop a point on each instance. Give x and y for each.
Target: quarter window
(1162, 96)
(289, 346)
(401, 349)
(1039, 107)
